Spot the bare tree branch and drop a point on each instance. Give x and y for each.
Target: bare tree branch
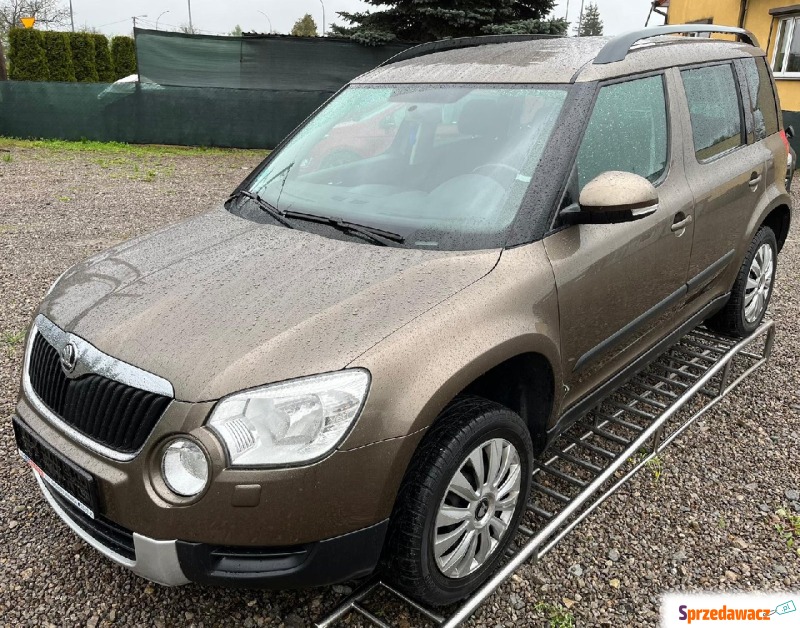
(47, 12)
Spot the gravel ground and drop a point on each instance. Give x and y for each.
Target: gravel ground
(707, 520)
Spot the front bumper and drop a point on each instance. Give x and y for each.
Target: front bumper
(174, 563)
(151, 559)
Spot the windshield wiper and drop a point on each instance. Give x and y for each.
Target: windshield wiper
(266, 207)
(379, 236)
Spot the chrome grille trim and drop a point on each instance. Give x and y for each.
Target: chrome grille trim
(92, 360)
(112, 368)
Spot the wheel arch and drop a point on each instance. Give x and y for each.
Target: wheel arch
(779, 219)
(524, 383)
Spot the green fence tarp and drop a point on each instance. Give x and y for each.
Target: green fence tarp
(255, 62)
(188, 116)
(200, 91)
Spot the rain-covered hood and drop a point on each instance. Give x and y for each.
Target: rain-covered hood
(218, 304)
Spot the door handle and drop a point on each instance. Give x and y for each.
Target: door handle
(755, 179)
(681, 222)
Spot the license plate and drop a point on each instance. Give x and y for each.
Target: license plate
(56, 487)
(63, 476)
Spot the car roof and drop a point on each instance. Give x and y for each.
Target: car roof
(553, 60)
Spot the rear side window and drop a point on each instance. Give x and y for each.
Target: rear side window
(714, 109)
(762, 98)
(627, 131)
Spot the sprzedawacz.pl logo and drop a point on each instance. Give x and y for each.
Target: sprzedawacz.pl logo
(723, 614)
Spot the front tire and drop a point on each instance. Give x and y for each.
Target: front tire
(752, 289)
(460, 503)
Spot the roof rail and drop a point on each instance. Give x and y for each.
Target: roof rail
(460, 42)
(619, 47)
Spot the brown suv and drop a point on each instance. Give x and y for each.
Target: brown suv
(358, 362)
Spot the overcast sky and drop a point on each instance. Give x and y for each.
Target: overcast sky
(216, 17)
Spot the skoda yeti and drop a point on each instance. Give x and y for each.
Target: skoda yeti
(355, 362)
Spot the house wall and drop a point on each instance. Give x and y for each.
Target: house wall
(722, 11)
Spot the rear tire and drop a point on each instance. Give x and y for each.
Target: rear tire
(752, 289)
(460, 503)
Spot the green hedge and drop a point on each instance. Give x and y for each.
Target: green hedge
(83, 57)
(66, 57)
(26, 55)
(123, 55)
(59, 57)
(102, 59)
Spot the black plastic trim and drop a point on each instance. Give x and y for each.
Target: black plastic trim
(619, 47)
(702, 278)
(587, 403)
(544, 194)
(109, 534)
(659, 308)
(322, 563)
(636, 323)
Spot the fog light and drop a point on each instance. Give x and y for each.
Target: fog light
(185, 468)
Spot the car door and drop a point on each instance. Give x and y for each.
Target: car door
(620, 285)
(724, 171)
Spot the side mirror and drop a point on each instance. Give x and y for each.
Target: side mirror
(613, 197)
(790, 131)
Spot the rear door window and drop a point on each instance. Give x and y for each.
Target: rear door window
(714, 108)
(627, 131)
(762, 98)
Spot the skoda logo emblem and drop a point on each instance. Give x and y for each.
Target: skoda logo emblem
(69, 357)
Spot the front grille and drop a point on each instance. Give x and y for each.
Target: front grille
(115, 415)
(104, 531)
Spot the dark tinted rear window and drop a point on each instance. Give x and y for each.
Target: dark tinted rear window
(762, 98)
(714, 108)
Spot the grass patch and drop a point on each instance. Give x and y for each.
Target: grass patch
(656, 467)
(788, 528)
(8, 158)
(557, 616)
(11, 340)
(118, 148)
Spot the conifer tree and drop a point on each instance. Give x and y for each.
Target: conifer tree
(591, 25)
(59, 57)
(429, 20)
(102, 59)
(26, 55)
(83, 57)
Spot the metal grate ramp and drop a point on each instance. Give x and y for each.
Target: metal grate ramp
(588, 463)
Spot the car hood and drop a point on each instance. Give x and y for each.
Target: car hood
(218, 304)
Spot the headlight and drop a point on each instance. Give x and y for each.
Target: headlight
(290, 423)
(184, 468)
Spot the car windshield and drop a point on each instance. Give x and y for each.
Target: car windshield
(444, 166)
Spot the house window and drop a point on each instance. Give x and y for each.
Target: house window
(786, 60)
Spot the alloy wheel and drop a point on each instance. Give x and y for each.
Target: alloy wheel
(759, 283)
(477, 508)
